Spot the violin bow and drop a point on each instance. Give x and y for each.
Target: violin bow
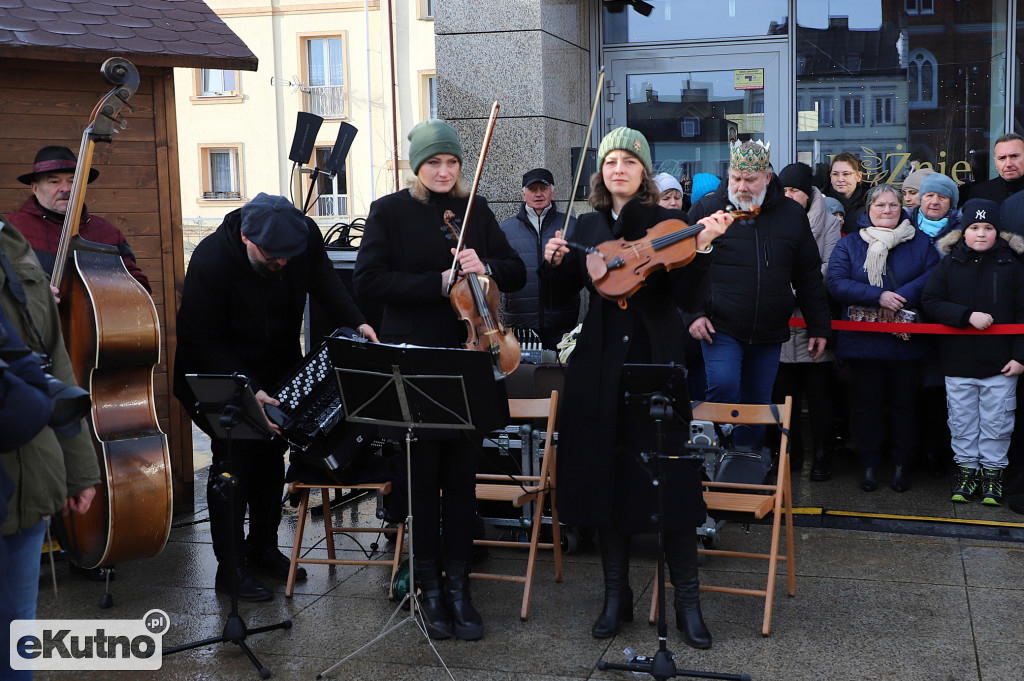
(472, 192)
(583, 155)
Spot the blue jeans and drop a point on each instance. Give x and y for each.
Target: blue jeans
(19, 588)
(741, 373)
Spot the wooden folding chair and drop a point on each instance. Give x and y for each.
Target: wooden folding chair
(382, 489)
(755, 500)
(519, 490)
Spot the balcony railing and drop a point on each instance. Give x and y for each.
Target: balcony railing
(222, 195)
(333, 204)
(324, 100)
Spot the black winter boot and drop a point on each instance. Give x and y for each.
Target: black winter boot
(431, 599)
(466, 621)
(618, 597)
(681, 556)
(821, 467)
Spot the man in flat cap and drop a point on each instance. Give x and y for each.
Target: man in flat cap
(551, 314)
(241, 311)
(41, 218)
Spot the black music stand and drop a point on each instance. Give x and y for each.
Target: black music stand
(231, 410)
(655, 392)
(415, 388)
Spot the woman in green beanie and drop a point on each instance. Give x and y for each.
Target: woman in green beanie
(602, 482)
(404, 263)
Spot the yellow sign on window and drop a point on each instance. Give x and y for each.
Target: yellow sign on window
(748, 79)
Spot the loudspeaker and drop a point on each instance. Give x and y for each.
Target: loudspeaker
(589, 168)
(306, 128)
(346, 133)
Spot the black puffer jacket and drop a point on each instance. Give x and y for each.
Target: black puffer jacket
(755, 267)
(967, 281)
(537, 305)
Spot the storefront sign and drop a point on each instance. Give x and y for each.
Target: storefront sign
(881, 167)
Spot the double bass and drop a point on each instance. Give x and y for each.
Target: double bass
(112, 333)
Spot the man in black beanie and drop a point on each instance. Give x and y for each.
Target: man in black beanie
(241, 311)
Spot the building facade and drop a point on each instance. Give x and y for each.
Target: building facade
(367, 64)
(897, 82)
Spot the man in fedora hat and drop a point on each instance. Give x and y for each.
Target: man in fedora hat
(41, 218)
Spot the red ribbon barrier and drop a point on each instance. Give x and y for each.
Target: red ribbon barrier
(893, 327)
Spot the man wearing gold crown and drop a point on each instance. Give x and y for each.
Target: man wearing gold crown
(756, 268)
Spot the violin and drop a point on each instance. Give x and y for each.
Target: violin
(476, 299)
(619, 268)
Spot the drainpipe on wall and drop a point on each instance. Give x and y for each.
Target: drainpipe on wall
(369, 102)
(394, 97)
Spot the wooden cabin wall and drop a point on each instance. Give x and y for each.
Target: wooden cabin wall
(138, 190)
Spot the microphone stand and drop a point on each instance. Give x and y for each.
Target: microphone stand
(662, 665)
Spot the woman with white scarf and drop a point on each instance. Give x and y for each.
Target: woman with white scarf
(882, 268)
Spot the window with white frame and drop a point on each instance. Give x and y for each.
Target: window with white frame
(824, 105)
(217, 83)
(325, 76)
(885, 110)
(920, 6)
(221, 172)
(428, 94)
(426, 9)
(922, 79)
(853, 111)
(332, 192)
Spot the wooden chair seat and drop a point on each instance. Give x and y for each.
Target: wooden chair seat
(519, 490)
(303, 489)
(757, 501)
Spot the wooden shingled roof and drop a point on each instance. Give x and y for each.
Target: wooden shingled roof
(163, 33)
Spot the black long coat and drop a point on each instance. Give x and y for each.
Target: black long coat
(232, 319)
(404, 250)
(601, 482)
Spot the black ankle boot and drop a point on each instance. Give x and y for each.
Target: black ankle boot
(681, 556)
(868, 479)
(821, 467)
(431, 600)
(618, 597)
(900, 479)
(466, 621)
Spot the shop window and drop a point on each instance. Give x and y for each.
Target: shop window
(884, 110)
(920, 6)
(853, 111)
(332, 192)
(324, 94)
(221, 172)
(922, 79)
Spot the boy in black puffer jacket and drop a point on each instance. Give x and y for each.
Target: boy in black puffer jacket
(979, 283)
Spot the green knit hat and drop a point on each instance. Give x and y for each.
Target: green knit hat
(629, 140)
(431, 138)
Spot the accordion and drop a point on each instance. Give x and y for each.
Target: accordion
(312, 421)
(310, 406)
